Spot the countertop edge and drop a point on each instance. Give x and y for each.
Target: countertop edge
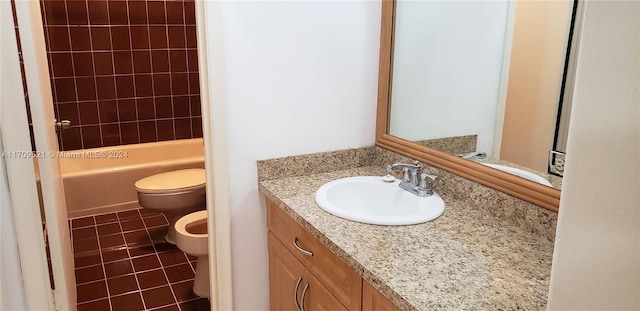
(367, 275)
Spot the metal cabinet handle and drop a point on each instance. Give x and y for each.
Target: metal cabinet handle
(304, 294)
(295, 294)
(302, 250)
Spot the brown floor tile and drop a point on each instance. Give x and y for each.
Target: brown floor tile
(89, 274)
(179, 273)
(87, 259)
(172, 258)
(118, 268)
(87, 245)
(114, 255)
(140, 237)
(158, 297)
(106, 218)
(122, 284)
(164, 247)
(108, 229)
(91, 291)
(158, 234)
(97, 305)
(128, 302)
(141, 250)
(111, 241)
(148, 262)
(168, 308)
(200, 304)
(82, 222)
(131, 214)
(83, 233)
(132, 224)
(155, 221)
(152, 278)
(145, 212)
(184, 291)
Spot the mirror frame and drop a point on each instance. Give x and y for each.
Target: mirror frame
(529, 191)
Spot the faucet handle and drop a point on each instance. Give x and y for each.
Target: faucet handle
(406, 174)
(424, 183)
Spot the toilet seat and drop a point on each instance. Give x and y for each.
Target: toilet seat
(172, 182)
(192, 242)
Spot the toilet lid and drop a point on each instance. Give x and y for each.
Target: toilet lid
(181, 180)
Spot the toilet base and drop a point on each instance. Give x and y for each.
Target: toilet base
(171, 231)
(201, 281)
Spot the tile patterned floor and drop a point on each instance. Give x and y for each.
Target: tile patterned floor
(123, 263)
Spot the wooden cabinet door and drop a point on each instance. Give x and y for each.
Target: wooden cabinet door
(373, 300)
(343, 282)
(284, 272)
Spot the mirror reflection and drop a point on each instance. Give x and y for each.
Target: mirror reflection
(484, 80)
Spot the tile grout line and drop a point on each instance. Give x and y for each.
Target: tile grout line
(135, 275)
(160, 261)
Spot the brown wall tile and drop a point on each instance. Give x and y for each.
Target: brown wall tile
(129, 133)
(86, 88)
(123, 71)
(103, 63)
(77, 12)
(83, 64)
(120, 39)
(139, 37)
(98, 12)
(80, 39)
(62, 65)
(65, 90)
(146, 109)
(178, 59)
(55, 13)
(89, 113)
(118, 13)
(164, 108)
(144, 86)
(181, 107)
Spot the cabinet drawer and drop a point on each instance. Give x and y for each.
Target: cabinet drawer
(339, 278)
(292, 286)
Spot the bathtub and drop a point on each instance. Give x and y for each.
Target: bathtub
(101, 180)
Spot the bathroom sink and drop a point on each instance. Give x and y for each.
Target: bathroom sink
(521, 173)
(369, 199)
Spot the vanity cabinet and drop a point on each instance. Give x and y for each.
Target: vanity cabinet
(297, 260)
(373, 300)
(293, 286)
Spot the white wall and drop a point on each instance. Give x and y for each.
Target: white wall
(596, 264)
(301, 77)
(446, 69)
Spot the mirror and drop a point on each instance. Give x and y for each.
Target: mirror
(478, 76)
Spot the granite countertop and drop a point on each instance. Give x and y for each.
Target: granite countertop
(466, 259)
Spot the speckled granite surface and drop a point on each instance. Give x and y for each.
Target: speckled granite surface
(455, 145)
(468, 259)
(527, 216)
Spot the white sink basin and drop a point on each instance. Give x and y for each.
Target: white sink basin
(520, 173)
(370, 200)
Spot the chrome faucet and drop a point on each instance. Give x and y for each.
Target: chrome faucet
(475, 154)
(410, 181)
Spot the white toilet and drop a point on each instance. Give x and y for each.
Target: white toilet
(191, 238)
(174, 194)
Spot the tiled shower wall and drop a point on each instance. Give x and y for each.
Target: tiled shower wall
(123, 72)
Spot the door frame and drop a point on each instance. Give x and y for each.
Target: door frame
(211, 66)
(22, 176)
